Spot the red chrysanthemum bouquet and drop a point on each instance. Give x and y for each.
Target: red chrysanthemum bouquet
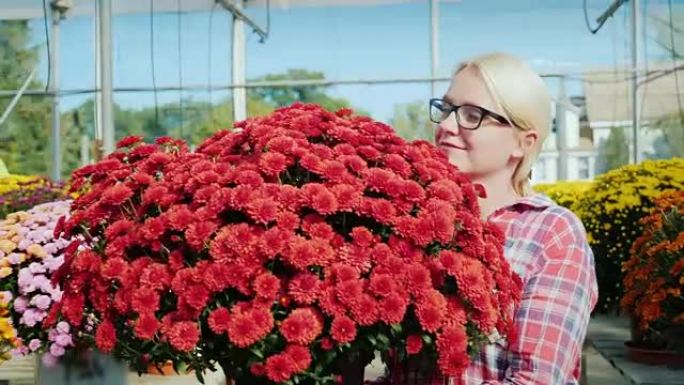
(281, 251)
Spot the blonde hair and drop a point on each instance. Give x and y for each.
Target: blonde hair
(524, 99)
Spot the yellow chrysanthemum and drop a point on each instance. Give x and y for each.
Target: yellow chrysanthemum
(610, 210)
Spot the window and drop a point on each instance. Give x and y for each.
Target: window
(583, 167)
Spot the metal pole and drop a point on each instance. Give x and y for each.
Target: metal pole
(434, 43)
(17, 96)
(635, 156)
(98, 79)
(105, 13)
(239, 94)
(55, 133)
(561, 131)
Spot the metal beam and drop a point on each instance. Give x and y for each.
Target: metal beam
(238, 68)
(562, 130)
(55, 132)
(434, 43)
(636, 100)
(236, 8)
(105, 48)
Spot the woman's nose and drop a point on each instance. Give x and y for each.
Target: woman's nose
(448, 126)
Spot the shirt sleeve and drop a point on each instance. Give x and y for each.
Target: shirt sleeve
(552, 318)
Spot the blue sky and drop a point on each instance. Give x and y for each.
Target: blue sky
(347, 43)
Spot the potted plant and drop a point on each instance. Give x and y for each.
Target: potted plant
(654, 281)
(287, 251)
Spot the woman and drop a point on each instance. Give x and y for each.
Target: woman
(492, 122)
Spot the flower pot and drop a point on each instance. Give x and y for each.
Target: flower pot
(654, 356)
(161, 370)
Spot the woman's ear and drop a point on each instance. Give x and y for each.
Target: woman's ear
(527, 141)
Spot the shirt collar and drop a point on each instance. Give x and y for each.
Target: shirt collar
(536, 201)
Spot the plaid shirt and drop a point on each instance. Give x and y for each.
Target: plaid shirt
(546, 246)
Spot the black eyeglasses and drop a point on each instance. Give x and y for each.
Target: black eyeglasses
(467, 116)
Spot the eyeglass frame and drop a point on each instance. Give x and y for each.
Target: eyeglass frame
(453, 109)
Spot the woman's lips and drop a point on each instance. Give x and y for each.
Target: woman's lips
(449, 145)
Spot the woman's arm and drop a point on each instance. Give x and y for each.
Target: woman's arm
(552, 319)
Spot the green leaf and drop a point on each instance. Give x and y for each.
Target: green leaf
(257, 352)
(199, 376)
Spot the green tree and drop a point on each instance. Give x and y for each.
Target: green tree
(24, 136)
(613, 152)
(411, 121)
(284, 96)
(671, 141)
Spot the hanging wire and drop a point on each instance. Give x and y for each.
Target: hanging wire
(591, 29)
(180, 66)
(47, 41)
(673, 55)
(154, 75)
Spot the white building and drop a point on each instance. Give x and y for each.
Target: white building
(609, 103)
(580, 152)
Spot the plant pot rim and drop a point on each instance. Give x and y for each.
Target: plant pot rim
(653, 356)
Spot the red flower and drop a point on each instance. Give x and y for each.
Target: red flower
(329, 302)
(86, 261)
(430, 317)
(152, 229)
(146, 326)
(365, 310)
(72, 308)
(304, 288)
(262, 318)
(267, 286)
(262, 210)
(179, 217)
(333, 170)
(145, 299)
(242, 330)
(257, 369)
(362, 237)
(116, 194)
(414, 344)
(142, 179)
(183, 336)
(349, 291)
(320, 199)
(105, 336)
(119, 228)
(343, 329)
(249, 178)
(156, 276)
(279, 368)
(302, 326)
(418, 278)
(381, 284)
(312, 163)
(218, 320)
(302, 253)
(273, 163)
(196, 295)
(392, 308)
(154, 194)
(129, 141)
(301, 357)
(274, 241)
(326, 343)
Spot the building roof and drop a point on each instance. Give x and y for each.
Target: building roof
(609, 98)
